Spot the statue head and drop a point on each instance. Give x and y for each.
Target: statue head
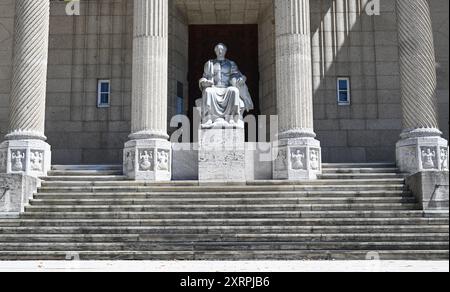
(221, 51)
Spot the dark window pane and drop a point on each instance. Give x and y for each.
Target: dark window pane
(104, 98)
(343, 85)
(343, 96)
(104, 87)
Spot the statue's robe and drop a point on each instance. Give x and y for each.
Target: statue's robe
(226, 99)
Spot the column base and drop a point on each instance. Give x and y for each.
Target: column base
(29, 157)
(418, 154)
(297, 159)
(148, 160)
(221, 156)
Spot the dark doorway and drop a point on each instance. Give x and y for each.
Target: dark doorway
(242, 43)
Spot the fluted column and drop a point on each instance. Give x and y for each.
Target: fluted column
(147, 155)
(25, 149)
(298, 155)
(150, 61)
(421, 147)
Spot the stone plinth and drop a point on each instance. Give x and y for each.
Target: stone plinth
(221, 155)
(297, 159)
(431, 189)
(148, 160)
(29, 157)
(418, 154)
(15, 192)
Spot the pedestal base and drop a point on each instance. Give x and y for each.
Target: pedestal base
(221, 155)
(29, 157)
(148, 160)
(419, 154)
(430, 189)
(297, 159)
(16, 190)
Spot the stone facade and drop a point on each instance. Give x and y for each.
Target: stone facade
(345, 41)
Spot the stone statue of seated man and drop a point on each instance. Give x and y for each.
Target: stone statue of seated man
(225, 95)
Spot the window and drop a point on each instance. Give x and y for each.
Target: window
(343, 91)
(103, 93)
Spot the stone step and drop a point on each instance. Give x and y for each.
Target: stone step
(138, 189)
(225, 208)
(378, 170)
(241, 237)
(223, 222)
(230, 215)
(250, 185)
(60, 179)
(87, 167)
(206, 230)
(224, 246)
(358, 165)
(227, 255)
(219, 201)
(83, 173)
(358, 176)
(227, 195)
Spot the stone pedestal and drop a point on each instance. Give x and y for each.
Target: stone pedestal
(297, 159)
(15, 192)
(430, 189)
(148, 160)
(418, 154)
(222, 155)
(29, 157)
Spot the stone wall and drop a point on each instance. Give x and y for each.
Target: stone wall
(348, 42)
(178, 60)
(267, 85)
(83, 49)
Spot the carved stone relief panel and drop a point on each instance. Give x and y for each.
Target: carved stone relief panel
(163, 160)
(444, 158)
(3, 158)
(18, 158)
(314, 159)
(36, 160)
(429, 157)
(146, 160)
(130, 160)
(298, 159)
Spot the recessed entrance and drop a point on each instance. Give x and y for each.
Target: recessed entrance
(242, 43)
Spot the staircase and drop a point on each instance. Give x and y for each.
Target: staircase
(353, 211)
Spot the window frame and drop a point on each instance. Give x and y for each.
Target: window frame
(339, 91)
(100, 92)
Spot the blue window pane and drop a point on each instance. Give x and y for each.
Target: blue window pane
(104, 98)
(104, 87)
(343, 96)
(343, 85)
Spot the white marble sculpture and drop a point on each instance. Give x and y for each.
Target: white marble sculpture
(225, 95)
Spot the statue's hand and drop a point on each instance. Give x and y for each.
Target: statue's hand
(207, 83)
